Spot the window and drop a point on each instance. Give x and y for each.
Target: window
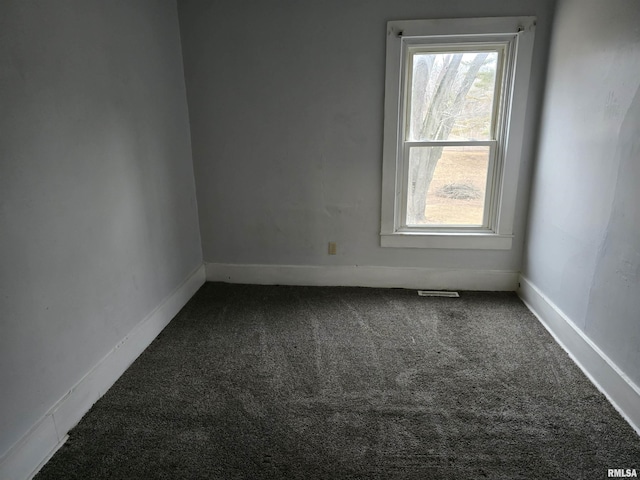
(455, 100)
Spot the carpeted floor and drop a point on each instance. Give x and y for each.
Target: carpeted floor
(266, 382)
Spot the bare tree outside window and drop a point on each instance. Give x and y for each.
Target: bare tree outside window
(451, 98)
(455, 105)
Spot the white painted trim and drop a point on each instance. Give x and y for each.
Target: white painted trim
(517, 34)
(37, 446)
(469, 241)
(619, 389)
(363, 276)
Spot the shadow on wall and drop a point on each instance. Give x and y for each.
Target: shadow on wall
(614, 302)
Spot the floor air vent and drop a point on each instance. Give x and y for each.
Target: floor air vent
(437, 293)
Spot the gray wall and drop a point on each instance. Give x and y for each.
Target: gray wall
(98, 223)
(584, 234)
(286, 109)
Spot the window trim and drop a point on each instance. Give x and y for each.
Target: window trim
(497, 233)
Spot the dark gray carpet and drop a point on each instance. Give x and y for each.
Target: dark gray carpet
(265, 382)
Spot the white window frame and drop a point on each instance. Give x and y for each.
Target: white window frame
(517, 35)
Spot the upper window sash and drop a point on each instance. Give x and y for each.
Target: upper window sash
(411, 50)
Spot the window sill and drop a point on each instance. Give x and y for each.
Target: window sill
(468, 241)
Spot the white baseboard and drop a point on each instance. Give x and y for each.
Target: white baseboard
(363, 276)
(37, 446)
(623, 394)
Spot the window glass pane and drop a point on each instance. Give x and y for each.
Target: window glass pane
(452, 95)
(447, 185)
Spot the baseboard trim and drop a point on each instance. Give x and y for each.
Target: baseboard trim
(621, 392)
(37, 446)
(363, 276)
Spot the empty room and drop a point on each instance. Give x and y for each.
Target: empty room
(337, 239)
